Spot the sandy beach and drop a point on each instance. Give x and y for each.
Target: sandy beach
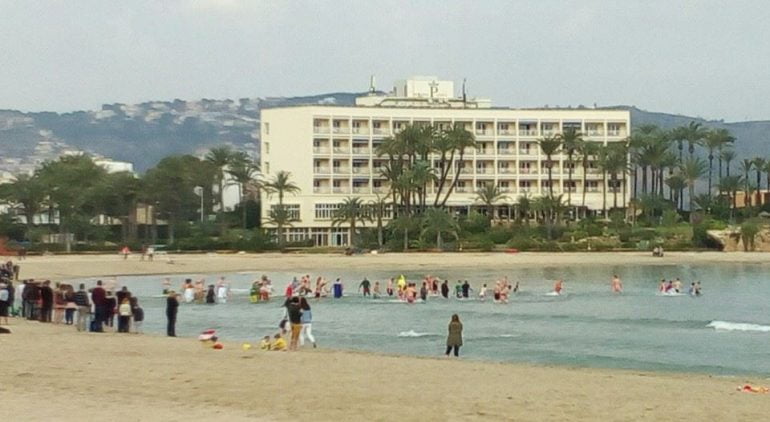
(65, 375)
(55, 373)
(74, 266)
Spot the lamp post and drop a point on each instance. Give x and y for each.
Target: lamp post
(199, 191)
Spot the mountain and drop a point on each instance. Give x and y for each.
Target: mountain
(145, 133)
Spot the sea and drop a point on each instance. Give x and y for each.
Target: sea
(725, 331)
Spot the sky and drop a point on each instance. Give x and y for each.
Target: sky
(705, 58)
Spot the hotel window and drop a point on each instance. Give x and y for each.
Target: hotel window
(267, 147)
(292, 209)
(267, 167)
(376, 125)
(267, 128)
(336, 124)
(325, 211)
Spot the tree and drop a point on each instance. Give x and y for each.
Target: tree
(587, 151)
(459, 139)
(117, 196)
(169, 190)
(280, 217)
(489, 195)
(29, 193)
(676, 184)
(759, 165)
(550, 146)
(746, 166)
(551, 208)
(692, 169)
(220, 157)
(69, 181)
(716, 140)
(694, 134)
(730, 185)
(727, 155)
(571, 139)
(523, 206)
(246, 174)
(281, 185)
(379, 207)
(437, 221)
(352, 210)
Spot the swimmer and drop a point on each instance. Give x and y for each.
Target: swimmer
(376, 290)
(365, 284)
(677, 285)
(558, 287)
(616, 285)
(424, 291)
(445, 289)
(466, 288)
(410, 293)
(697, 288)
(516, 288)
(483, 292)
(166, 285)
(662, 286)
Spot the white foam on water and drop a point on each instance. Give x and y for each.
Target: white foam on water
(738, 326)
(412, 333)
(509, 335)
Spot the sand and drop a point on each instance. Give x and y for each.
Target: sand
(67, 267)
(54, 373)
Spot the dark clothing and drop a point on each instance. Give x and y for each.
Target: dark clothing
(81, 298)
(98, 295)
(295, 313)
(122, 295)
(138, 313)
(456, 349)
(172, 306)
(46, 299)
(445, 291)
(423, 293)
(211, 297)
(69, 316)
(455, 337)
(109, 311)
(123, 323)
(466, 289)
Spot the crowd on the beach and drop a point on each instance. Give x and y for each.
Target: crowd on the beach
(97, 309)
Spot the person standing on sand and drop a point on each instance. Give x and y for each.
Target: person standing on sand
(99, 298)
(46, 299)
(307, 323)
(294, 311)
(172, 306)
(124, 316)
(84, 307)
(455, 338)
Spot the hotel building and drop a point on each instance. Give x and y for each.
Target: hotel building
(330, 151)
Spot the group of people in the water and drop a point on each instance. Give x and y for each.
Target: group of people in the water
(672, 287)
(198, 292)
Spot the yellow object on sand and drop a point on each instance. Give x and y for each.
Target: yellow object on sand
(245, 346)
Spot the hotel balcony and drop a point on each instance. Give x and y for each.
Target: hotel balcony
(485, 170)
(506, 132)
(321, 189)
(320, 150)
(524, 170)
(361, 171)
(361, 189)
(381, 131)
(360, 131)
(341, 150)
(340, 189)
(320, 129)
(506, 170)
(361, 150)
(528, 152)
(506, 189)
(380, 189)
(342, 170)
(321, 170)
(463, 189)
(527, 132)
(620, 132)
(506, 151)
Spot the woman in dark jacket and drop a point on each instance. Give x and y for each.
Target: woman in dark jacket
(455, 338)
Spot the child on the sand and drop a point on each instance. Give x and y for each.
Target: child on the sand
(265, 343)
(279, 344)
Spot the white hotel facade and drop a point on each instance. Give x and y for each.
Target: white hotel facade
(330, 151)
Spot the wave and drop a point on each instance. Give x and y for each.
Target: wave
(412, 333)
(738, 326)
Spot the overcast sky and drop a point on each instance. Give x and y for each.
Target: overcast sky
(701, 58)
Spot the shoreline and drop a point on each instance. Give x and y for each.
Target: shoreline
(151, 377)
(61, 267)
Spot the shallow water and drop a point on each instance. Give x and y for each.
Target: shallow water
(725, 331)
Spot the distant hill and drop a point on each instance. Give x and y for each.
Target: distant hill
(145, 133)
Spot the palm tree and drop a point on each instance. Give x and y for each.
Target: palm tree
(727, 155)
(550, 146)
(571, 139)
(676, 184)
(587, 151)
(731, 185)
(220, 157)
(246, 174)
(352, 210)
(551, 208)
(460, 139)
(280, 185)
(523, 205)
(746, 166)
(692, 169)
(439, 221)
(488, 195)
(716, 140)
(379, 207)
(759, 166)
(280, 217)
(694, 134)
